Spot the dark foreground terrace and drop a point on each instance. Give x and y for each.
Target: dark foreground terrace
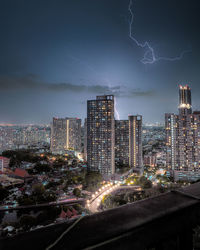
(163, 222)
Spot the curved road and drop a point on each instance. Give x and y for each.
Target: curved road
(94, 203)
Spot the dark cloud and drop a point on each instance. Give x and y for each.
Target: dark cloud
(33, 82)
(138, 92)
(80, 49)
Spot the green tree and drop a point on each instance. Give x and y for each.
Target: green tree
(93, 180)
(42, 217)
(160, 188)
(59, 163)
(40, 168)
(3, 193)
(25, 201)
(49, 197)
(52, 184)
(38, 189)
(121, 167)
(53, 212)
(78, 207)
(77, 192)
(23, 155)
(27, 221)
(144, 182)
(147, 184)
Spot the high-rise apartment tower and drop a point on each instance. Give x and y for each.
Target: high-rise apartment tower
(101, 134)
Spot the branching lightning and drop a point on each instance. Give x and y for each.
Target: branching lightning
(149, 56)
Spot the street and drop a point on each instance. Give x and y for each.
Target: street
(94, 203)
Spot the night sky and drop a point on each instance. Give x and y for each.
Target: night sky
(57, 54)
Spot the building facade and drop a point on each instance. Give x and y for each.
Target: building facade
(183, 139)
(65, 135)
(185, 100)
(171, 128)
(122, 141)
(73, 134)
(128, 142)
(135, 142)
(85, 139)
(150, 160)
(101, 134)
(4, 163)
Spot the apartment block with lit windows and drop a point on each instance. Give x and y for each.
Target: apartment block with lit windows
(128, 142)
(122, 141)
(135, 143)
(65, 135)
(183, 139)
(101, 134)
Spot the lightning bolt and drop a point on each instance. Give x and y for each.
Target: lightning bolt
(149, 56)
(116, 111)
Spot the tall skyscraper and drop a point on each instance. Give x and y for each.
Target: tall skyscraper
(58, 135)
(85, 139)
(183, 139)
(101, 134)
(171, 125)
(65, 135)
(128, 142)
(135, 142)
(122, 141)
(73, 134)
(185, 101)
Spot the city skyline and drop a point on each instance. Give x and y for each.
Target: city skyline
(99, 124)
(54, 58)
(116, 116)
